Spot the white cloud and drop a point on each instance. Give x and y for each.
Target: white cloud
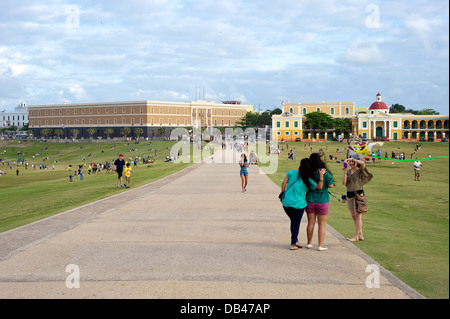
(361, 51)
(258, 51)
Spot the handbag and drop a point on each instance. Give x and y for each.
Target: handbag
(361, 203)
(281, 195)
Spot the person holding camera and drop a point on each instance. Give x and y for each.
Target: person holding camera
(355, 176)
(293, 195)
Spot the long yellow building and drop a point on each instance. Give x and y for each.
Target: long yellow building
(150, 116)
(374, 121)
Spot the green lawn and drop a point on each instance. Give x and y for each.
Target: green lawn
(406, 229)
(36, 194)
(407, 226)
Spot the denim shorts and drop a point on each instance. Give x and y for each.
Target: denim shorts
(244, 173)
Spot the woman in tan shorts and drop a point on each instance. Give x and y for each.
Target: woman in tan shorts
(354, 178)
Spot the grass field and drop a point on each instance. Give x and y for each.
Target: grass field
(35, 194)
(407, 227)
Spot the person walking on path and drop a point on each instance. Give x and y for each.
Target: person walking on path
(243, 163)
(417, 164)
(293, 195)
(318, 202)
(119, 163)
(354, 179)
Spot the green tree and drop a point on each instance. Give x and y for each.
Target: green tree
(249, 120)
(265, 119)
(161, 131)
(58, 132)
(91, 131)
(276, 111)
(125, 131)
(139, 131)
(108, 131)
(75, 133)
(426, 112)
(342, 125)
(318, 121)
(397, 108)
(45, 132)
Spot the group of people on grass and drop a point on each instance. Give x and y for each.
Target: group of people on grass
(306, 189)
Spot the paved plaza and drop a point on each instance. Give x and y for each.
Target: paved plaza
(193, 234)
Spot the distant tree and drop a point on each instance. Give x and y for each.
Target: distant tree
(249, 120)
(276, 111)
(58, 132)
(139, 131)
(91, 131)
(45, 132)
(426, 112)
(125, 131)
(161, 131)
(108, 131)
(342, 125)
(265, 119)
(75, 133)
(318, 121)
(397, 108)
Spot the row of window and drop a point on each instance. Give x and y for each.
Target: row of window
(286, 124)
(132, 111)
(124, 122)
(332, 111)
(14, 117)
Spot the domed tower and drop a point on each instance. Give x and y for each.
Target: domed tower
(379, 106)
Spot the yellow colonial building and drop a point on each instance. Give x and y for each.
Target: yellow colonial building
(150, 116)
(374, 121)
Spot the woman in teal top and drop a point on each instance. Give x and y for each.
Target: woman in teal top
(318, 202)
(295, 186)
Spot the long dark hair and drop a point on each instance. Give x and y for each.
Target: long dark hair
(305, 171)
(317, 162)
(245, 157)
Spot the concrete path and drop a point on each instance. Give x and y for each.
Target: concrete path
(193, 234)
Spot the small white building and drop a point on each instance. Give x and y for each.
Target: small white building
(17, 118)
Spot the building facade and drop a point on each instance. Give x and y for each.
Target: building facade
(150, 116)
(18, 118)
(371, 122)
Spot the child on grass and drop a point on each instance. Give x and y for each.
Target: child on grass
(127, 173)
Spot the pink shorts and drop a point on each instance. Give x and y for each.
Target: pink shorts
(317, 208)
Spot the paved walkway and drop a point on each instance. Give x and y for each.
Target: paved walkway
(193, 234)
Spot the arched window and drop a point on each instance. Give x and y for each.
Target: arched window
(347, 110)
(304, 111)
(332, 111)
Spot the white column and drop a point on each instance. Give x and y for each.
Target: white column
(390, 130)
(385, 132)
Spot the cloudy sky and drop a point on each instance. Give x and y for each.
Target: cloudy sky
(259, 52)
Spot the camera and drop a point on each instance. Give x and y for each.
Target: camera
(344, 198)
